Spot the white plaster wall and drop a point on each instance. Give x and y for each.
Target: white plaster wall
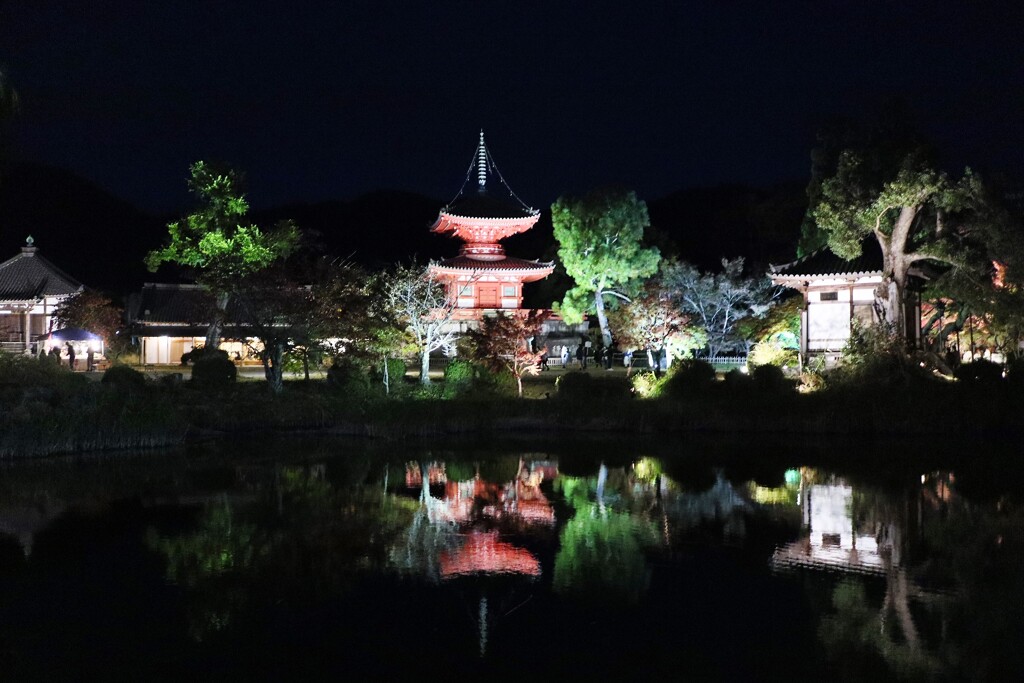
(828, 324)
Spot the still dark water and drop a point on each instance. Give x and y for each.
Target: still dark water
(342, 559)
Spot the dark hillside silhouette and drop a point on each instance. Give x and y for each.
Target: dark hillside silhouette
(705, 225)
(92, 235)
(102, 240)
(376, 229)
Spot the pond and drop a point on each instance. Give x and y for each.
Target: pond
(328, 558)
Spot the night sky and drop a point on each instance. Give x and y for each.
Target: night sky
(323, 100)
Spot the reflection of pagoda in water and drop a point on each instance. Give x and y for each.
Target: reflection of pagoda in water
(467, 547)
(482, 277)
(473, 500)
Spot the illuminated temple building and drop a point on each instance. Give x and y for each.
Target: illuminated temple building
(482, 277)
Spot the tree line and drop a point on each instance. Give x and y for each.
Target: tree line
(308, 308)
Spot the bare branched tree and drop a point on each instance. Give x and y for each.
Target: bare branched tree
(419, 300)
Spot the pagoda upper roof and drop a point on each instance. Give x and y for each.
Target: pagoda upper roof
(484, 205)
(29, 276)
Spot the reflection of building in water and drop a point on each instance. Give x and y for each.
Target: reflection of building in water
(482, 553)
(833, 539)
(851, 530)
(452, 538)
(471, 499)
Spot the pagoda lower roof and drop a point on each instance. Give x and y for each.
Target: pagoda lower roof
(509, 263)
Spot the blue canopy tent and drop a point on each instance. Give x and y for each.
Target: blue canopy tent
(81, 339)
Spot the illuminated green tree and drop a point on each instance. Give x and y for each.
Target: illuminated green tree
(217, 244)
(600, 244)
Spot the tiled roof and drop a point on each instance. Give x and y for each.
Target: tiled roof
(177, 304)
(29, 276)
(486, 206)
(507, 263)
(823, 262)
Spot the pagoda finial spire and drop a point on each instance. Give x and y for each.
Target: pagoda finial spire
(481, 164)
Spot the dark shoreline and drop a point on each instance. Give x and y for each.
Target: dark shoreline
(101, 418)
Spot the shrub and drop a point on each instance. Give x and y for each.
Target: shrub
(687, 377)
(396, 376)
(770, 379)
(459, 377)
(349, 378)
(738, 381)
(645, 384)
(24, 372)
(490, 383)
(768, 353)
(575, 384)
(980, 371)
(123, 378)
(810, 382)
(873, 357)
(213, 370)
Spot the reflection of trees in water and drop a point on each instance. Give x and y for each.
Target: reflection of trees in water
(417, 550)
(601, 555)
(951, 598)
(622, 515)
(300, 538)
(977, 549)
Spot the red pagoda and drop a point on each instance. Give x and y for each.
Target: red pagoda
(482, 277)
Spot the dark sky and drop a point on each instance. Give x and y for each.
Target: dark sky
(326, 100)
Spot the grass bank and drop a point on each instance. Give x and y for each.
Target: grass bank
(47, 410)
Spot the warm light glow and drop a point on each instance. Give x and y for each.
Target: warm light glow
(647, 468)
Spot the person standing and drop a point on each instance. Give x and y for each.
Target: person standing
(71, 356)
(581, 356)
(90, 359)
(565, 357)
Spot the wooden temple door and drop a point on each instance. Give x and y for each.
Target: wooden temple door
(488, 296)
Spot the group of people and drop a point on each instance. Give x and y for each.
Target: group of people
(54, 355)
(602, 356)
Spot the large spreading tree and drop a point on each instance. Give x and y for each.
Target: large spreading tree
(218, 244)
(274, 309)
(914, 212)
(352, 317)
(600, 240)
